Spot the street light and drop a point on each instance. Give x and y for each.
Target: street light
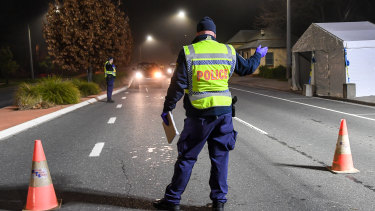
(288, 41)
(149, 39)
(181, 14)
(31, 52)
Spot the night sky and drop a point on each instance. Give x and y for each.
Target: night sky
(154, 17)
(158, 19)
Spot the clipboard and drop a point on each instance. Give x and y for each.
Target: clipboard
(170, 130)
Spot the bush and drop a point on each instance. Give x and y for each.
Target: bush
(278, 72)
(45, 93)
(100, 80)
(27, 97)
(54, 90)
(86, 88)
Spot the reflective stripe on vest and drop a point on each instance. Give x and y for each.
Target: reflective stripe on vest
(109, 72)
(210, 65)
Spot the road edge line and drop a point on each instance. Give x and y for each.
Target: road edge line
(305, 104)
(250, 126)
(45, 118)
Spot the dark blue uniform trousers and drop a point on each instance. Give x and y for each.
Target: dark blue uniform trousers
(110, 80)
(219, 134)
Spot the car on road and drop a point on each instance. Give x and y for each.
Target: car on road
(148, 73)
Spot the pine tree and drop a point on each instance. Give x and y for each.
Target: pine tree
(82, 34)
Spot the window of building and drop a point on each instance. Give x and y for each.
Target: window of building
(269, 59)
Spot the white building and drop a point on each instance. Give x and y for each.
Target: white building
(327, 44)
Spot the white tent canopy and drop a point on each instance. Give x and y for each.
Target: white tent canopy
(327, 43)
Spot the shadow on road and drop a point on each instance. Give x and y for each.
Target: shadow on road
(320, 168)
(14, 198)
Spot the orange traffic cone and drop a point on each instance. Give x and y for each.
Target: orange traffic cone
(343, 161)
(41, 195)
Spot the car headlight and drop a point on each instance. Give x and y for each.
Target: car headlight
(138, 75)
(169, 70)
(157, 74)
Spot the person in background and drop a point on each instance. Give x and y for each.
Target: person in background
(110, 75)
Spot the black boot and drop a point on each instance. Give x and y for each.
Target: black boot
(161, 204)
(217, 206)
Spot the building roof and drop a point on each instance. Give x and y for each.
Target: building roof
(268, 43)
(350, 31)
(242, 36)
(272, 38)
(328, 36)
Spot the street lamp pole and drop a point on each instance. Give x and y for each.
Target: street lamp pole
(31, 53)
(288, 41)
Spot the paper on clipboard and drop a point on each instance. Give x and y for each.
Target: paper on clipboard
(170, 130)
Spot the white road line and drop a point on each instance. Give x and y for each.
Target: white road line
(111, 120)
(97, 149)
(366, 114)
(300, 98)
(305, 104)
(344, 102)
(119, 106)
(251, 126)
(146, 90)
(123, 98)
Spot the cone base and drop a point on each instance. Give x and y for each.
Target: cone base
(351, 171)
(59, 201)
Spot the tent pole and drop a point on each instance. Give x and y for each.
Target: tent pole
(288, 41)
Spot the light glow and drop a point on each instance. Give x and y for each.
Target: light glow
(181, 14)
(169, 70)
(157, 74)
(138, 75)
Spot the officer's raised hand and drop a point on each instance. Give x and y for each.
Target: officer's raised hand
(165, 118)
(262, 51)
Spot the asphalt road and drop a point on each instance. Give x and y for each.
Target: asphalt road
(285, 141)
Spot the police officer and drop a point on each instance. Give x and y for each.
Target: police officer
(202, 74)
(110, 75)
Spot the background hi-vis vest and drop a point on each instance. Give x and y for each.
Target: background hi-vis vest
(210, 65)
(109, 72)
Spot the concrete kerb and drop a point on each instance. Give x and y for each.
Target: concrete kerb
(34, 122)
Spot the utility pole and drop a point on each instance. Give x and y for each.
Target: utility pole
(288, 41)
(31, 53)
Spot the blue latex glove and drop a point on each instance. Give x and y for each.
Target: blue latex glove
(262, 51)
(165, 118)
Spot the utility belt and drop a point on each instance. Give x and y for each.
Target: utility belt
(109, 76)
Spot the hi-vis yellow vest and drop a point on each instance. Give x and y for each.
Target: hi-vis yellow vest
(109, 72)
(210, 65)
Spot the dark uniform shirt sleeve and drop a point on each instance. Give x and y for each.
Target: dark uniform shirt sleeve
(179, 82)
(247, 66)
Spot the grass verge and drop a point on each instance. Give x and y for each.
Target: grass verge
(46, 93)
(86, 88)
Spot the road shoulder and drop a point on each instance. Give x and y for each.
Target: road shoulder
(15, 121)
